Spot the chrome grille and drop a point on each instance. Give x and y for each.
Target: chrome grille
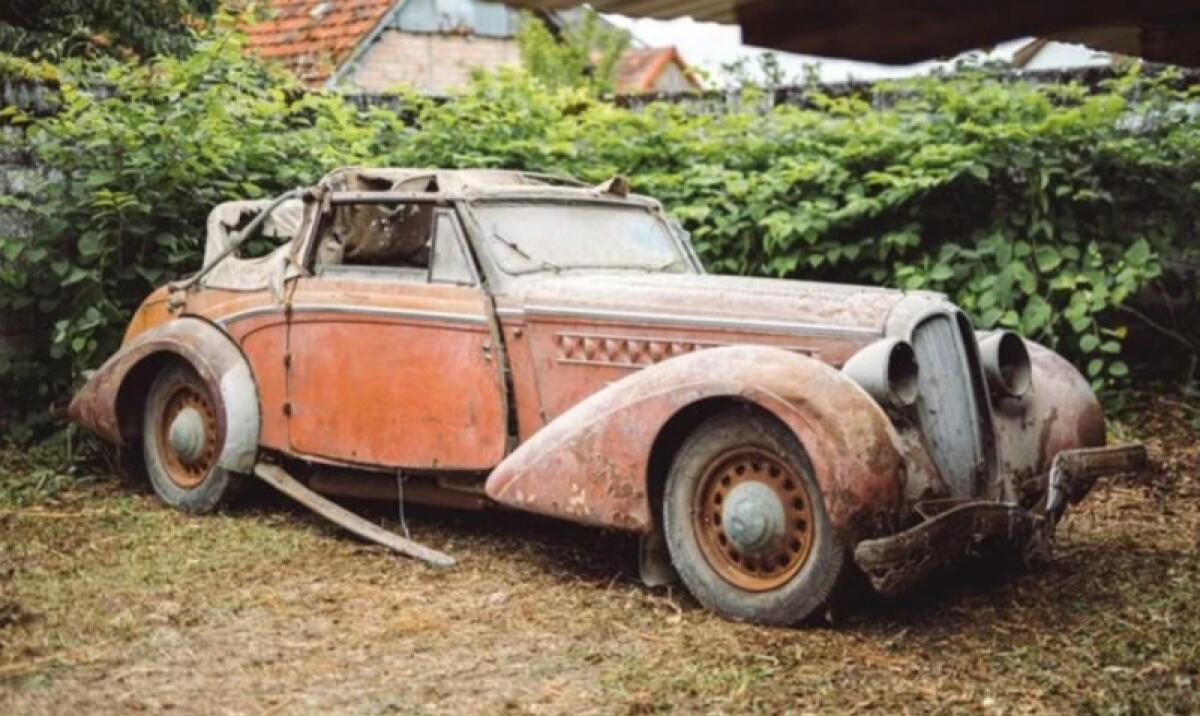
(951, 408)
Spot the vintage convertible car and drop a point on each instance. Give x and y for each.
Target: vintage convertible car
(493, 338)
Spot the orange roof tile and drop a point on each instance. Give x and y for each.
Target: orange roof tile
(312, 37)
(638, 69)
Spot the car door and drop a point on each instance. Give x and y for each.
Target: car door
(391, 362)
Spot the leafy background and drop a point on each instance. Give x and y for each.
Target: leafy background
(1044, 208)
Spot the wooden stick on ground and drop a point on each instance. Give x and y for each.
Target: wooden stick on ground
(278, 478)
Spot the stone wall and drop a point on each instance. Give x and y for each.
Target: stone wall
(19, 175)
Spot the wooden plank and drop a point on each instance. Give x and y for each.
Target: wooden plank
(278, 478)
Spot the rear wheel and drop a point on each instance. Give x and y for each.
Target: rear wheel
(181, 442)
(745, 523)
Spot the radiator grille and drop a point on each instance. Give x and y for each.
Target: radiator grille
(949, 406)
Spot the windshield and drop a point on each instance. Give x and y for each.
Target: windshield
(527, 237)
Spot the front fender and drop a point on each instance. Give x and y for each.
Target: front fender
(110, 403)
(1059, 413)
(590, 465)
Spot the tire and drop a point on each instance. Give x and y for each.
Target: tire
(187, 479)
(794, 561)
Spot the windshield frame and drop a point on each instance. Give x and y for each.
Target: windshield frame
(487, 250)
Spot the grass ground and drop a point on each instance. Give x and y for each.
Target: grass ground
(111, 603)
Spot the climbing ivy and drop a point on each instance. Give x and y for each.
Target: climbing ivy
(1038, 207)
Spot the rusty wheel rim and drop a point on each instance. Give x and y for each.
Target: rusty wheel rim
(188, 464)
(753, 476)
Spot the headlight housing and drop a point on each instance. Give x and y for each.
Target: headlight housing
(1006, 364)
(887, 370)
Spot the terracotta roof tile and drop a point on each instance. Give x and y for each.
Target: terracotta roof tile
(312, 37)
(638, 69)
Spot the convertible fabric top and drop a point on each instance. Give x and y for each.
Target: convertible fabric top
(238, 274)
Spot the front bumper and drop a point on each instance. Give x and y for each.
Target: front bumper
(897, 562)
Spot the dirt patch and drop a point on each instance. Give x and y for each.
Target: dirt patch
(122, 605)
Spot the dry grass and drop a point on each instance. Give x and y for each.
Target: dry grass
(109, 602)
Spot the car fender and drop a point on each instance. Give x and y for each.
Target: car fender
(1060, 412)
(109, 404)
(591, 464)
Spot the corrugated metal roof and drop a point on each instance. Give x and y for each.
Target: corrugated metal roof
(709, 10)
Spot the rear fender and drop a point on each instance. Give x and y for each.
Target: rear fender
(110, 403)
(590, 464)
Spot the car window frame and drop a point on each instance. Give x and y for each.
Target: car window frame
(494, 269)
(464, 247)
(400, 274)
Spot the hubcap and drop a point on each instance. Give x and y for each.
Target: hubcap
(753, 519)
(187, 436)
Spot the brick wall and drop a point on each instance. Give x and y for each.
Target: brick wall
(432, 64)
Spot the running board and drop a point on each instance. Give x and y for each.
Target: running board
(278, 478)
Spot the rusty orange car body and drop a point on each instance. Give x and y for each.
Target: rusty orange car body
(500, 338)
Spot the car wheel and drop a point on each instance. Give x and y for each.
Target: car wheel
(745, 523)
(181, 442)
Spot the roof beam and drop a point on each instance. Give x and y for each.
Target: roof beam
(902, 32)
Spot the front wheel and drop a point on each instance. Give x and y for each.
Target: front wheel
(745, 523)
(181, 442)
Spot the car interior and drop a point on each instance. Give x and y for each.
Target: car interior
(401, 241)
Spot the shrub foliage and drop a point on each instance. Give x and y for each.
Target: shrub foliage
(50, 29)
(1038, 207)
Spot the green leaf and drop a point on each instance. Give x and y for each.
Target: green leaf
(1118, 369)
(1088, 342)
(1048, 258)
(941, 272)
(1139, 253)
(1036, 315)
(12, 249)
(89, 245)
(1094, 367)
(77, 274)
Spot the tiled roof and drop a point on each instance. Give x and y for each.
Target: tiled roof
(638, 69)
(312, 37)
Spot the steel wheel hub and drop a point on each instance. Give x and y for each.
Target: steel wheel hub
(753, 518)
(187, 435)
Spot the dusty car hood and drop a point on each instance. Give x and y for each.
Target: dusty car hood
(734, 302)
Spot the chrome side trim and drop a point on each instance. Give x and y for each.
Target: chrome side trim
(667, 319)
(675, 319)
(464, 318)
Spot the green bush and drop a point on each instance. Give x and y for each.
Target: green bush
(1038, 207)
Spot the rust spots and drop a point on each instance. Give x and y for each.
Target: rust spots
(590, 464)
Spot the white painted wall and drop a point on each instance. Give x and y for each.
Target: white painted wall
(1065, 56)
